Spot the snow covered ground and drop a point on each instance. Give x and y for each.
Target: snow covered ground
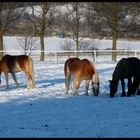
(46, 112)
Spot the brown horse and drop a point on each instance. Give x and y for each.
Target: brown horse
(12, 64)
(81, 70)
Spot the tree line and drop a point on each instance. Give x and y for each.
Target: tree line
(112, 20)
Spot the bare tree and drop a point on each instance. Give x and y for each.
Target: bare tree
(28, 42)
(9, 13)
(67, 45)
(89, 45)
(75, 16)
(41, 22)
(112, 17)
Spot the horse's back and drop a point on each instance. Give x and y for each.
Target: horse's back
(23, 60)
(7, 63)
(14, 62)
(134, 66)
(83, 68)
(70, 60)
(13, 58)
(127, 67)
(68, 63)
(134, 61)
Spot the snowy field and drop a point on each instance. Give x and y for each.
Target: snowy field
(46, 112)
(11, 43)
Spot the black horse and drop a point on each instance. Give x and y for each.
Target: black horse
(127, 68)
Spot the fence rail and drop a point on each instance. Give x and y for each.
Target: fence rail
(95, 55)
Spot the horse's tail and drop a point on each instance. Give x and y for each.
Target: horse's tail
(67, 72)
(67, 76)
(31, 70)
(66, 67)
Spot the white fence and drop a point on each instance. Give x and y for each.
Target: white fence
(94, 55)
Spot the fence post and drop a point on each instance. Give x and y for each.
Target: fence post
(95, 56)
(56, 61)
(135, 53)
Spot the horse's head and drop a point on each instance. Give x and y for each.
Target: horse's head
(95, 88)
(113, 87)
(95, 84)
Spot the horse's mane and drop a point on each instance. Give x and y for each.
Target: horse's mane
(88, 67)
(119, 69)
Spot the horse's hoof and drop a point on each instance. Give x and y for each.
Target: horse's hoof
(30, 88)
(111, 96)
(138, 92)
(67, 94)
(123, 95)
(128, 95)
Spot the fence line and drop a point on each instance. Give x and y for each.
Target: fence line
(95, 55)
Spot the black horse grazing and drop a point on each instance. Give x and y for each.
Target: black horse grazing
(127, 68)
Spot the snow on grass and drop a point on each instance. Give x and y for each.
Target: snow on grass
(46, 112)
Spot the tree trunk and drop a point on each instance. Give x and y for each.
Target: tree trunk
(77, 44)
(42, 56)
(114, 20)
(114, 45)
(1, 45)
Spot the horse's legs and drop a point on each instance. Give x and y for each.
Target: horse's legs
(87, 86)
(138, 91)
(15, 79)
(30, 78)
(76, 85)
(6, 79)
(123, 88)
(138, 86)
(67, 83)
(30, 82)
(135, 85)
(129, 87)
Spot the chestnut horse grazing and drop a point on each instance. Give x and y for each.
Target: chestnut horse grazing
(12, 64)
(81, 70)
